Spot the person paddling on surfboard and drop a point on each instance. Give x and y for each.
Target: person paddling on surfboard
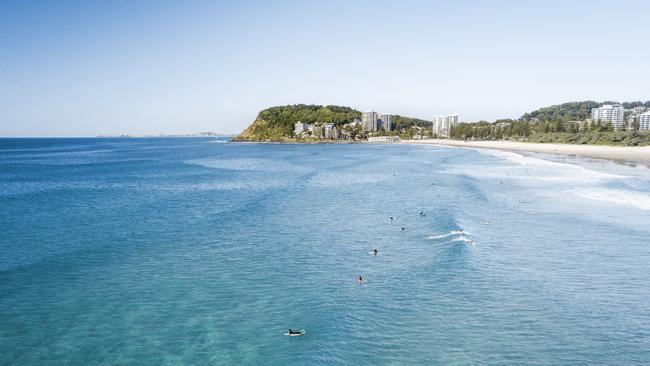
(291, 331)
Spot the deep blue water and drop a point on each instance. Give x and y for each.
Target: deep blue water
(201, 252)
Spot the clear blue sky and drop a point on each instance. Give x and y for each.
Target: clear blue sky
(82, 68)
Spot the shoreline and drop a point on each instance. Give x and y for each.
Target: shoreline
(620, 154)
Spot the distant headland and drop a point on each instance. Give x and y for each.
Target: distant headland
(162, 135)
(330, 123)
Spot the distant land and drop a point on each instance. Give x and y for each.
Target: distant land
(567, 123)
(200, 134)
(276, 124)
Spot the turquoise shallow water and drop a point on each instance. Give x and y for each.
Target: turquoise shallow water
(202, 252)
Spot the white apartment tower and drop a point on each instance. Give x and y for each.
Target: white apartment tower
(609, 113)
(386, 122)
(644, 121)
(369, 121)
(442, 124)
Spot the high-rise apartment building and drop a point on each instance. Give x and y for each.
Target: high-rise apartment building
(369, 121)
(442, 124)
(386, 122)
(609, 113)
(644, 121)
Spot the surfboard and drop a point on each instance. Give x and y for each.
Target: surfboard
(302, 333)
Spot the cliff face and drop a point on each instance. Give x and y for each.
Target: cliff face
(261, 130)
(277, 123)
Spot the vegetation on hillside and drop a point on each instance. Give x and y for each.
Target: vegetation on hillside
(277, 123)
(574, 111)
(556, 131)
(403, 123)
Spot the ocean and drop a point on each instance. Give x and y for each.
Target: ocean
(197, 251)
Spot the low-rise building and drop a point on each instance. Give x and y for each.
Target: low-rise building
(317, 131)
(299, 128)
(330, 131)
(384, 139)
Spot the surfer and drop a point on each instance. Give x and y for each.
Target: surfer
(375, 251)
(292, 332)
(402, 228)
(392, 218)
(360, 279)
(422, 213)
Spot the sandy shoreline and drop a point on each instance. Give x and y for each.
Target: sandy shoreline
(634, 154)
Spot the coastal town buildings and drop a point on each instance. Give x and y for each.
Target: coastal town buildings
(320, 130)
(644, 121)
(330, 131)
(442, 124)
(609, 113)
(371, 124)
(638, 110)
(633, 115)
(369, 121)
(299, 128)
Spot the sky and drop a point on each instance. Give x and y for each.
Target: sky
(84, 68)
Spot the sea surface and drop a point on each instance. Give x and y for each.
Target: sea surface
(198, 251)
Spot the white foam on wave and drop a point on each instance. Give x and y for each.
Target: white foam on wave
(451, 233)
(575, 171)
(617, 196)
(571, 186)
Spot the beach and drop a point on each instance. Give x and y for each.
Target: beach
(633, 154)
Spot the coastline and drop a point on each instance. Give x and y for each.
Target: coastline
(625, 154)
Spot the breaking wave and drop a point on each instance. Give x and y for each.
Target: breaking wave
(451, 233)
